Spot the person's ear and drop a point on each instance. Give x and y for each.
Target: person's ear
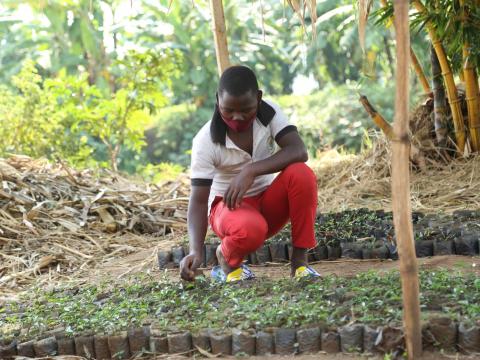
(259, 96)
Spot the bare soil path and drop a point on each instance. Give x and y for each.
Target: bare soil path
(145, 262)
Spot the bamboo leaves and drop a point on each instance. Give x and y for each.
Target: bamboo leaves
(300, 7)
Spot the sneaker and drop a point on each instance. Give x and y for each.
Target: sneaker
(242, 273)
(218, 274)
(306, 271)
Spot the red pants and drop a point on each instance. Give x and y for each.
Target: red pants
(291, 196)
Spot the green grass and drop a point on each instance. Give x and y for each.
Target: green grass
(368, 298)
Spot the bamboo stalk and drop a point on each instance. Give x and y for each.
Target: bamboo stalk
(439, 102)
(377, 118)
(419, 71)
(416, 66)
(471, 91)
(219, 35)
(452, 94)
(416, 155)
(472, 98)
(477, 83)
(477, 88)
(401, 204)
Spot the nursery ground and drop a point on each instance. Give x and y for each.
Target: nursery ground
(343, 267)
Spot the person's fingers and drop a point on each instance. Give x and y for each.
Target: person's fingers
(196, 264)
(239, 198)
(229, 198)
(226, 193)
(186, 272)
(226, 197)
(233, 199)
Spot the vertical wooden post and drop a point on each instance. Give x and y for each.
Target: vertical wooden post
(402, 213)
(219, 35)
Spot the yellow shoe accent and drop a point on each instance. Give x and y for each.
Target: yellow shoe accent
(306, 271)
(235, 275)
(301, 272)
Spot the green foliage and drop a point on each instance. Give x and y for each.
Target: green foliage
(333, 116)
(30, 120)
(369, 298)
(169, 138)
(78, 36)
(87, 125)
(62, 34)
(121, 120)
(454, 23)
(68, 118)
(99, 108)
(161, 172)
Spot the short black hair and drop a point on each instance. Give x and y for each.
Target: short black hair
(238, 80)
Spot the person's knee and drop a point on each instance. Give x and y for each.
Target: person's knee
(256, 233)
(249, 234)
(300, 171)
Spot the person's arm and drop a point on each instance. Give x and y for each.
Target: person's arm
(197, 221)
(292, 150)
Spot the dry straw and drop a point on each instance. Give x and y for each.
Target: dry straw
(59, 222)
(355, 181)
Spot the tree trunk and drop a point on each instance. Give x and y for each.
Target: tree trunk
(453, 99)
(402, 214)
(220, 35)
(439, 102)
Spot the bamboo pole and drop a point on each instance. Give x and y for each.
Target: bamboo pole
(472, 98)
(452, 94)
(416, 66)
(477, 85)
(471, 91)
(439, 102)
(416, 155)
(377, 118)
(219, 35)
(401, 205)
(419, 71)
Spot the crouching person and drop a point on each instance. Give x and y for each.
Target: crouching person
(233, 188)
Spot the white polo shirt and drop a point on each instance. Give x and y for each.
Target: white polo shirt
(216, 165)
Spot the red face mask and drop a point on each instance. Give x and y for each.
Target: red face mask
(236, 125)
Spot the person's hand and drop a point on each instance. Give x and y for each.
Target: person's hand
(189, 265)
(238, 187)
